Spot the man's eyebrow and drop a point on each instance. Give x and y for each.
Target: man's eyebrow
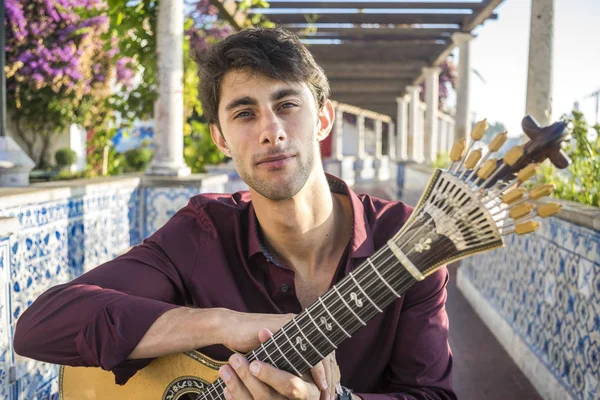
(286, 92)
(241, 101)
(250, 101)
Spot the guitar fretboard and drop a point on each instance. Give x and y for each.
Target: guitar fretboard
(334, 317)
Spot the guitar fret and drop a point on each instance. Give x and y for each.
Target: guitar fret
(319, 329)
(309, 342)
(364, 293)
(285, 358)
(334, 320)
(262, 346)
(294, 347)
(382, 278)
(348, 306)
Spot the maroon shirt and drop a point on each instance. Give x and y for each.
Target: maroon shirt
(210, 255)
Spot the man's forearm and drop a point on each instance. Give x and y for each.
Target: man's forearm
(181, 329)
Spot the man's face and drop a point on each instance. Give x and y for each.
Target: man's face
(271, 130)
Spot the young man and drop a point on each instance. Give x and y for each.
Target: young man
(227, 270)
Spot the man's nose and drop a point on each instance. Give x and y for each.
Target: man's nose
(271, 129)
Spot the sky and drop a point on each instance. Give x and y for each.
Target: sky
(500, 54)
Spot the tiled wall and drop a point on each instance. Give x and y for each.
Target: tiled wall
(546, 286)
(61, 237)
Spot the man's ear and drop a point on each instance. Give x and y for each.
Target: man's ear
(219, 140)
(326, 119)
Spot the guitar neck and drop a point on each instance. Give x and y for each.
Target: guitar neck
(334, 317)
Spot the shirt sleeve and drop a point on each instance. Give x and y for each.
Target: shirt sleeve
(421, 363)
(99, 318)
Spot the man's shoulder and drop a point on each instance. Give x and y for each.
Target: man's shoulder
(377, 209)
(223, 202)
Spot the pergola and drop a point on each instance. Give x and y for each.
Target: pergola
(372, 50)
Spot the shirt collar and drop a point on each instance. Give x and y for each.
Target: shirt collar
(361, 239)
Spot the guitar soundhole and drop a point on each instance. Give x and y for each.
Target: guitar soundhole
(185, 388)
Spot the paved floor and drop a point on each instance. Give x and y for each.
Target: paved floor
(482, 369)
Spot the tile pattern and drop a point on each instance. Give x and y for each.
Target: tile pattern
(547, 287)
(58, 241)
(161, 203)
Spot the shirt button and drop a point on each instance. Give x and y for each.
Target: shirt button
(284, 288)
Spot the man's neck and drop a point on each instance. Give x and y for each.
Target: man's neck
(308, 231)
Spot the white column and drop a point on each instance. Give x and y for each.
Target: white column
(415, 134)
(168, 109)
(360, 122)
(442, 129)
(391, 141)
(337, 142)
(432, 91)
(402, 147)
(463, 116)
(378, 139)
(539, 76)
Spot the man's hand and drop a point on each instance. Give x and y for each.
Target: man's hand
(240, 329)
(260, 380)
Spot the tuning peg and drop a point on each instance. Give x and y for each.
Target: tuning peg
(527, 172)
(479, 130)
(458, 150)
(473, 159)
(513, 155)
(498, 141)
(486, 169)
(547, 210)
(521, 210)
(513, 196)
(526, 227)
(541, 191)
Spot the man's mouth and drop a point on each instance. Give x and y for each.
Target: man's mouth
(275, 161)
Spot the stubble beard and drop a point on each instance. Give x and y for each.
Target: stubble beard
(281, 189)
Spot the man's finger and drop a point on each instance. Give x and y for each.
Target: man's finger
(319, 375)
(255, 387)
(235, 388)
(286, 384)
(264, 335)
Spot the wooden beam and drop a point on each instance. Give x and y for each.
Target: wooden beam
(382, 54)
(375, 66)
(375, 4)
(368, 98)
(367, 86)
(480, 16)
(366, 18)
(378, 38)
(336, 74)
(399, 31)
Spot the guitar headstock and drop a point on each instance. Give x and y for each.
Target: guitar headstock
(470, 207)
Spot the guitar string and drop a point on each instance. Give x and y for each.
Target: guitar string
(339, 308)
(219, 384)
(432, 200)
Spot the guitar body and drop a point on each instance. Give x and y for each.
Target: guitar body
(175, 377)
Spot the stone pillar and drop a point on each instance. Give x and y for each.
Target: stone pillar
(432, 92)
(539, 75)
(378, 139)
(415, 133)
(442, 129)
(391, 140)
(402, 147)
(360, 122)
(463, 116)
(168, 109)
(337, 144)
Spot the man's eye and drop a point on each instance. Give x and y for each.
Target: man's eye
(288, 105)
(242, 115)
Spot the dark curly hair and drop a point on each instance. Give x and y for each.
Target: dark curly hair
(273, 52)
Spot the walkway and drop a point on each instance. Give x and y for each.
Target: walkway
(482, 369)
